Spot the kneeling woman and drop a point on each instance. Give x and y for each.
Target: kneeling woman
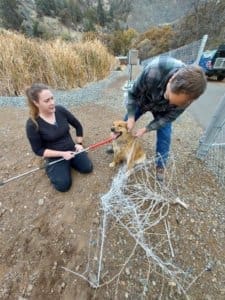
(48, 132)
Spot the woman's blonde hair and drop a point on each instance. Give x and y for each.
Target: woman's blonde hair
(32, 94)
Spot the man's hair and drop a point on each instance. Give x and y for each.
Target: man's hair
(189, 80)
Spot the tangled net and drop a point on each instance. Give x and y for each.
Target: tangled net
(134, 217)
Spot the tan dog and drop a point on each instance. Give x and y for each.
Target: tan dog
(125, 146)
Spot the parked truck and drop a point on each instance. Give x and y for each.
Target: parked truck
(213, 62)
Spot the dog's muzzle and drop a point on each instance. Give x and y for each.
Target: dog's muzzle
(116, 134)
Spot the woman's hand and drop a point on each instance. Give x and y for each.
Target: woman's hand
(68, 154)
(79, 147)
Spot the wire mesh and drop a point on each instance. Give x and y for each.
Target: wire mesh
(135, 236)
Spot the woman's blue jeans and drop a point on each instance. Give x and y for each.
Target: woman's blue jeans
(163, 140)
(60, 172)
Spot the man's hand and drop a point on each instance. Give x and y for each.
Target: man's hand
(130, 124)
(140, 132)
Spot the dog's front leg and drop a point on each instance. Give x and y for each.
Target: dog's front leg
(116, 160)
(112, 164)
(130, 165)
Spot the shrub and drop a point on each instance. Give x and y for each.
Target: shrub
(121, 40)
(154, 41)
(58, 63)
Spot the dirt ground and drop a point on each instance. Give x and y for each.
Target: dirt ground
(43, 231)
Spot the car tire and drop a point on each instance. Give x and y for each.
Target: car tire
(220, 77)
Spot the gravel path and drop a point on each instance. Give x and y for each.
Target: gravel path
(106, 91)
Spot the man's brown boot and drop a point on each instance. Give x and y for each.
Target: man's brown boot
(160, 174)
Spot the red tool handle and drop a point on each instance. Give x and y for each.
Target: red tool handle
(99, 144)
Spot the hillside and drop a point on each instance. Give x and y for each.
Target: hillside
(84, 14)
(145, 13)
(69, 19)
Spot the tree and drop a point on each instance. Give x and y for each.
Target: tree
(75, 11)
(121, 41)
(89, 19)
(154, 41)
(101, 13)
(47, 8)
(60, 5)
(65, 17)
(10, 15)
(88, 25)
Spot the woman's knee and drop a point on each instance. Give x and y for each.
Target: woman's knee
(62, 184)
(82, 163)
(87, 168)
(60, 175)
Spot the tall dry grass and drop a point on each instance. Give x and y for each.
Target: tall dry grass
(59, 64)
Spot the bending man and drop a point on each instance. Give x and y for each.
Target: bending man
(166, 87)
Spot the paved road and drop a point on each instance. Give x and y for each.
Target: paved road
(203, 109)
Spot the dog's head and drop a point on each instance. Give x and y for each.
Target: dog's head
(119, 128)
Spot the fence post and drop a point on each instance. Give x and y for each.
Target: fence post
(201, 48)
(132, 60)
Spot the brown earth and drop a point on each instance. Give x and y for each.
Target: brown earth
(42, 230)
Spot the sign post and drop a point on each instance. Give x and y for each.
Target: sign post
(132, 60)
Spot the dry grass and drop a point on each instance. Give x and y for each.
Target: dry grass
(60, 64)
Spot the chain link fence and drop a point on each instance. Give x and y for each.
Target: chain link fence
(212, 144)
(190, 53)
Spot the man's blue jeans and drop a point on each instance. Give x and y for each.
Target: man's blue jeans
(163, 140)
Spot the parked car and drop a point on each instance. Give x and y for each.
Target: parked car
(213, 62)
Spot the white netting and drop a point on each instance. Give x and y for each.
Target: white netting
(135, 220)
